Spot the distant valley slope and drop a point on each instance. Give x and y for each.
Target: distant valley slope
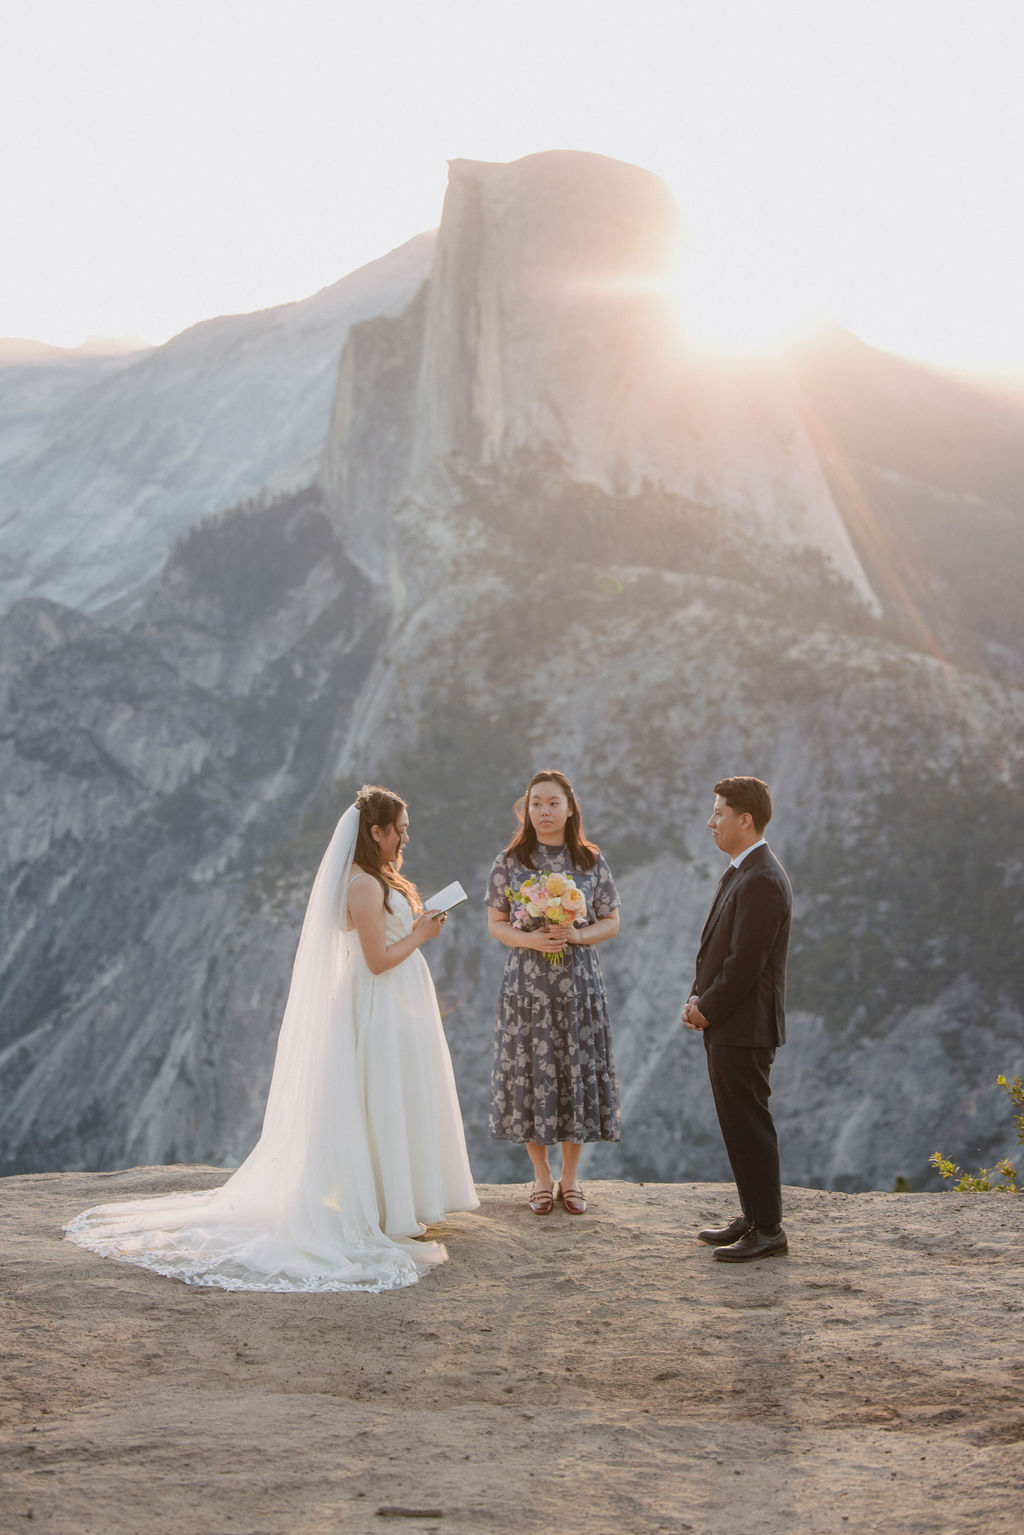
(104, 460)
(530, 528)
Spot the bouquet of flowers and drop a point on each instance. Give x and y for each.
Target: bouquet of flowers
(553, 899)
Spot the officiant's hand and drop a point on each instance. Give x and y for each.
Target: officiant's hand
(548, 940)
(566, 933)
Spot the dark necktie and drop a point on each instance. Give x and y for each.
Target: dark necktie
(723, 885)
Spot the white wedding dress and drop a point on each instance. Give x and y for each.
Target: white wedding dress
(362, 1143)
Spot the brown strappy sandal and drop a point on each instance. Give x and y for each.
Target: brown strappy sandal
(572, 1199)
(541, 1201)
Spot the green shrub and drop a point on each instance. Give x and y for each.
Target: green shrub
(1003, 1177)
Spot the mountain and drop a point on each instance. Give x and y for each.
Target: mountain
(104, 461)
(17, 349)
(545, 330)
(927, 470)
(543, 533)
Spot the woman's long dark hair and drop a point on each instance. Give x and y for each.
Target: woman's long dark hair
(524, 844)
(379, 807)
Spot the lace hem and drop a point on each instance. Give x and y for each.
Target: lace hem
(395, 1274)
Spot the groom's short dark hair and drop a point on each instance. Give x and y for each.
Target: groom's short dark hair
(750, 794)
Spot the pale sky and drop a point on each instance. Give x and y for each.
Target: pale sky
(170, 160)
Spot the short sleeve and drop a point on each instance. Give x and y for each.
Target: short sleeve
(498, 884)
(606, 897)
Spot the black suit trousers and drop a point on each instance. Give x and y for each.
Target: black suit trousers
(741, 1083)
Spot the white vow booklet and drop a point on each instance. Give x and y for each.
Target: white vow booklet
(445, 899)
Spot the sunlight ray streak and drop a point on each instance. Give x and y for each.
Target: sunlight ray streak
(869, 534)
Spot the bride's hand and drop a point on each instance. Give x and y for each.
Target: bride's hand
(428, 924)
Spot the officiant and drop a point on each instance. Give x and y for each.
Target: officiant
(553, 1079)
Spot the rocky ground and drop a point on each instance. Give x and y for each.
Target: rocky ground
(557, 1375)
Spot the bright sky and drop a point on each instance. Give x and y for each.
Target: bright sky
(169, 160)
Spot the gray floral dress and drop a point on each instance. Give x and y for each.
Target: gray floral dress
(554, 1073)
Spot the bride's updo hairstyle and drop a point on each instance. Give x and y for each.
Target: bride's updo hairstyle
(524, 844)
(379, 807)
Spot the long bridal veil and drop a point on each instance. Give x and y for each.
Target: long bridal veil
(301, 1212)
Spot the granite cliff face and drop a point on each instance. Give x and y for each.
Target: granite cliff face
(104, 461)
(527, 545)
(548, 330)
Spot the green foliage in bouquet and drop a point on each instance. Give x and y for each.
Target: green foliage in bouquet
(1003, 1177)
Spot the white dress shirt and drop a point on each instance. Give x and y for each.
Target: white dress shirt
(747, 850)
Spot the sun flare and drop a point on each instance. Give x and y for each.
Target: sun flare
(736, 302)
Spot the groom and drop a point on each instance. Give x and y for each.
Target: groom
(738, 1002)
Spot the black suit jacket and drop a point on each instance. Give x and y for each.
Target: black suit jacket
(740, 979)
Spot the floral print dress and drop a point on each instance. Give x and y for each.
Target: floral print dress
(554, 1073)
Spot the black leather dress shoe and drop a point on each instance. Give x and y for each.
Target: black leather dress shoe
(721, 1238)
(756, 1244)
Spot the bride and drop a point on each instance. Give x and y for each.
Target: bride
(362, 1143)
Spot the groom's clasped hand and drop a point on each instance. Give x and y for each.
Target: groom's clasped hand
(692, 1015)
